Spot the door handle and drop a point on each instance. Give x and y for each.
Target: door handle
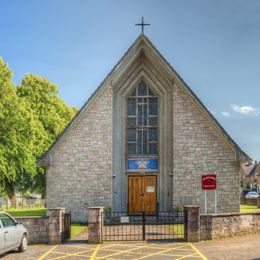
(6, 232)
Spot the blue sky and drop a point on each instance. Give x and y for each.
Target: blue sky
(213, 45)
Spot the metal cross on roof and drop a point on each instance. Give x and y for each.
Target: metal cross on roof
(142, 24)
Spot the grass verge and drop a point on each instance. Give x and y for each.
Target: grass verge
(27, 212)
(249, 209)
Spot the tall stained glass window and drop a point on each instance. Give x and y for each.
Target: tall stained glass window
(142, 122)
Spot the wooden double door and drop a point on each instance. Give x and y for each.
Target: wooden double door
(142, 192)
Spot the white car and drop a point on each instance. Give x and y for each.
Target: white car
(252, 195)
(12, 234)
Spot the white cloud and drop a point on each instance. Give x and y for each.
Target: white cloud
(246, 110)
(226, 114)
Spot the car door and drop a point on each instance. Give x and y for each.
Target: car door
(10, 231)
(2, 240)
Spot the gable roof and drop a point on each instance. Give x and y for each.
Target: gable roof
(255, 170)
(245, 168)
(45, 159)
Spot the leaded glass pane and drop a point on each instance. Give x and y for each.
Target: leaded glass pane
(131, 134)
(140, 115)
(131, 148)
(140, 142)
(142, 90)
(145, 141)
(153, 121)
(145, 115)
(131, 107)
(131, 121)
(153, 134)
(153, 106)
(152, 148)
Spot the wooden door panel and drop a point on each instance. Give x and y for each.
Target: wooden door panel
(142, 194)
(149, 188)
(135, 187)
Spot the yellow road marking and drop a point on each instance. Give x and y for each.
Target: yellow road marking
(82, 247)
(73, 254)
(47, 253)
(137, 253)
(76, 253)
(123, 251)
(95, 252)
(197, 251)
(158, 253)
(179, 249)
(186, 256)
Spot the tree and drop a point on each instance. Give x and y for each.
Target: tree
(31, 118)
(51, 113)
(16, 134)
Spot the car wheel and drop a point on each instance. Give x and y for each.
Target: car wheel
(24, 243)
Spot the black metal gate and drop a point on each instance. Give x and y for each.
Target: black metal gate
(66, 226)
(165, 225)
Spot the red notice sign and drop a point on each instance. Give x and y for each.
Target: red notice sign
(209, 182)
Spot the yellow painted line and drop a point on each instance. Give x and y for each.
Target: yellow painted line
(123, 251)
(179, 249)
(172, 255)
(198, 252)
(47, 253)
(95, 252)
(73, 254)
(191, 255)
(117, 250)
(158, 253)
(82, 247)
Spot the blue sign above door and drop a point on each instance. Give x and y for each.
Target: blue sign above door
(149, 164)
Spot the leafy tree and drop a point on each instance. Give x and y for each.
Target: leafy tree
(51, 113)
(31, 118)
(16, 134)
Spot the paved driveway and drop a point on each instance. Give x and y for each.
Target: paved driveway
(243, 248)
(129, 250)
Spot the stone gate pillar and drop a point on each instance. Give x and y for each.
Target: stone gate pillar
(55, 225)
(95, 224)
(193, 223)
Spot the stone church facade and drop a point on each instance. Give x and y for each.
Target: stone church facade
(141, 143)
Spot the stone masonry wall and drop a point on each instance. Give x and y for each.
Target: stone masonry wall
(80, 175)
(199, 149)
(37, 228)
(228, 225)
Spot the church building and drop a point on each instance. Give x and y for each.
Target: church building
(141, 143)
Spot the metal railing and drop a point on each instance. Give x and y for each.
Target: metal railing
(21, 203)
(165, 225)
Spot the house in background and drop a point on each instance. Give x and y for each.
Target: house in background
(251, 176)
(244, 170)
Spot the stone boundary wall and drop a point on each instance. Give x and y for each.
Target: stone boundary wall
(250, 202)
(48, 229)
(37, 228)
(217, 226)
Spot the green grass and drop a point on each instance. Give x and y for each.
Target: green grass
(249, 209)
(77, 229)
(27, 212)
(178, 230)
